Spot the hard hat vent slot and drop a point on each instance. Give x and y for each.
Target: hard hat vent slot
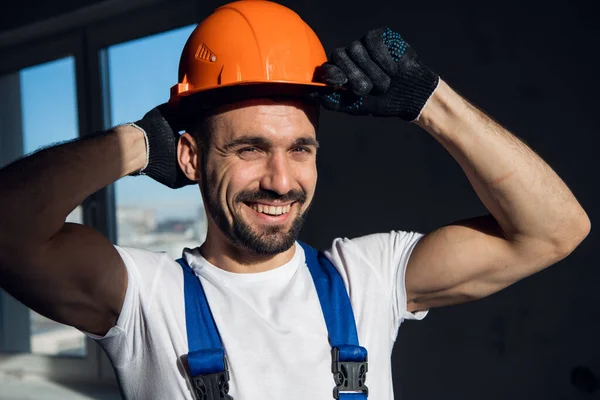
(204, 54)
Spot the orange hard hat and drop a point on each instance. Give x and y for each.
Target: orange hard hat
(249, 42)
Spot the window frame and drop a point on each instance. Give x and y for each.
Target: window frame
(85, 35)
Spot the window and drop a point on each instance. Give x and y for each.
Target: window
(51, 90)
(49, 116)
(150, 215)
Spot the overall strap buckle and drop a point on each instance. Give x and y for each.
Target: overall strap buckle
(349, 376)
(213, 386)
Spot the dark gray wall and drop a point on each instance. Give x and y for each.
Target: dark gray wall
(16, 14)
(533, 67)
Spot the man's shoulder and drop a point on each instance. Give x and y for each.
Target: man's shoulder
(144, 256)
(374, 244)
(149, 265)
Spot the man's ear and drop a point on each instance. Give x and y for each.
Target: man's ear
(189, 156)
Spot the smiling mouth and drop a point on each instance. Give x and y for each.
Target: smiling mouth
(268, 209)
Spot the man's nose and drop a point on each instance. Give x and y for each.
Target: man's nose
(278, 176)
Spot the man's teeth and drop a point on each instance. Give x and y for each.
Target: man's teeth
(271, 210)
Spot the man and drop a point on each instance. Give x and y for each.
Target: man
(252, 150)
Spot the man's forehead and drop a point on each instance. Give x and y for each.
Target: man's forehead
(288, 118)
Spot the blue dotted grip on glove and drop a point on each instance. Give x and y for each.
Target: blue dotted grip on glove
(394, 42)
(337, 98)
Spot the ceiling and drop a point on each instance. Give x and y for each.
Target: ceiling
(16, 14)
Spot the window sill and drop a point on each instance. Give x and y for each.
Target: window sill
(25, 387)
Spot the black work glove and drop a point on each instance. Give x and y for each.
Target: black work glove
(382, 76)
(161, 126)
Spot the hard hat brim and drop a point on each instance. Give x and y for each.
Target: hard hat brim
(223, 94)
(284, 86)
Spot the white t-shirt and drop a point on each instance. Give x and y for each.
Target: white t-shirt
(271, 323)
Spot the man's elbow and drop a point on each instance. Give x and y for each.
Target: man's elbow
(572, 235)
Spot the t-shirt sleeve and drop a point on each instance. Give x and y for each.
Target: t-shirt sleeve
(123, 342)
(390, 252)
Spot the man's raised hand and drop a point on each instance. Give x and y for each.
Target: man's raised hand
(161, 126)
(378, 75)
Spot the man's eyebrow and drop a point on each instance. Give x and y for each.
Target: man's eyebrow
(247, 141)
(306, 141)
(260, 141)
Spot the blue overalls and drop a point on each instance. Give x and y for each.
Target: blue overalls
(206, 358)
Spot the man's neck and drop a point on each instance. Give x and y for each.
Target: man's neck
(219, 251)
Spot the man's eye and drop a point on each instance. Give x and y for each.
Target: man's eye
(247, 150)
(302, 150)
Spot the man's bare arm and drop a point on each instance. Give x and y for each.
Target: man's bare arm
(535, 220)
(67, 272)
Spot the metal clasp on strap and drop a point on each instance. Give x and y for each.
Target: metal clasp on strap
(349, 376)
(213, 386)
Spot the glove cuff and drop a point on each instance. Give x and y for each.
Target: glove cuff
(412, 89)
(161, 150)
(141, 170)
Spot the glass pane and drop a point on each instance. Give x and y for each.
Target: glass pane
(150, 215)
(48, 101)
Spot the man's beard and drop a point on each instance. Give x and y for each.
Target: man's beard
(270, 240)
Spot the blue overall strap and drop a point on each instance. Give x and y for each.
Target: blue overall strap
(349, 360)
(206, 358)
